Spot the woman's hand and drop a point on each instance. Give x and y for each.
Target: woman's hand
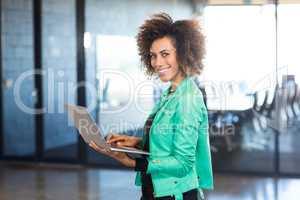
(119, 156)
(123, 140)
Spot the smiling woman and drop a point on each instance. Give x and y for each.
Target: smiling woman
(184, 35)
(163, 60)
(176, 131)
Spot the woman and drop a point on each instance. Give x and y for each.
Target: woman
(176, 131)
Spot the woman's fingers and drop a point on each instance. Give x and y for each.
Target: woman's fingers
(99, 149)
(110, 135)
(120, 156)
(116, 138)
(94, 146)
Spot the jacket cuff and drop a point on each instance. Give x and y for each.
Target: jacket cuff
(141, 164)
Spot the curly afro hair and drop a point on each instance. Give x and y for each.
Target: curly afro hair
(186, 36)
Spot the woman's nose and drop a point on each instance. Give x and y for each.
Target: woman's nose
(159, 61)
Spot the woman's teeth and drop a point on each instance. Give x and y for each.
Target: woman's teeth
(163, 70)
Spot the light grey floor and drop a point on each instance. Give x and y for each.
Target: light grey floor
(47, 182)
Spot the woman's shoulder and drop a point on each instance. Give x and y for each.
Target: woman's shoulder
(191, 93)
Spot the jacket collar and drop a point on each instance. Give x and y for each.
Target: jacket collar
(179, 89)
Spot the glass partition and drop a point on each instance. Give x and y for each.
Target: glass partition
(240, 70)
(289, 79)
(250, 81)
(59, 78)
(17, 78)
(124, 96)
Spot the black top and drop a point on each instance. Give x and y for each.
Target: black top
(142, 163)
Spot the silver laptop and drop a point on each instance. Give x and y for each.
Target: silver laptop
(89, 130)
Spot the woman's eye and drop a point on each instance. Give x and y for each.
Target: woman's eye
(151, 56)
(164, 54)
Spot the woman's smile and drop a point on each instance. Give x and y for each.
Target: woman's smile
(163, 71)
(164, 60)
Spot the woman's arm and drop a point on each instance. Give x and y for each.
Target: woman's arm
(188, 122)
(139, 143)
(119, 156)
(182, 159)
(122, 140)
(119, 140)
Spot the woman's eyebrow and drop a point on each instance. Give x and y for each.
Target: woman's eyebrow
(161, 51)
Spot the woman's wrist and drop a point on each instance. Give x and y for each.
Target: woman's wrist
(137, 141)
(129, 162)
(133, 163)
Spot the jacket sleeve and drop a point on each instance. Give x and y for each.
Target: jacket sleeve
(187, 119)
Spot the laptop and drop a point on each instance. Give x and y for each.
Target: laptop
(89, 130)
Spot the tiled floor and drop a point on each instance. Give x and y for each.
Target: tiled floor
(47, 182)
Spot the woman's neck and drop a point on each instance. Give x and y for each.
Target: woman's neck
(176, 81)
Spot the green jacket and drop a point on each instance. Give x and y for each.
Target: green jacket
(179, 143)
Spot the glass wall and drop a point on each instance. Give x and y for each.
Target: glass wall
(289, 79)
(251, 80)
(59, 77)
(17, 78)
(124, 95)
(240, 70)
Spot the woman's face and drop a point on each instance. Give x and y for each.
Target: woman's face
(164, 60)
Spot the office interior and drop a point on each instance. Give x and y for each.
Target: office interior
(84, 52)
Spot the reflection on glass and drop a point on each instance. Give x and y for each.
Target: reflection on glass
(19, 95)
(240, 41)
(59, 82)
(289, 79)
(125, 94)
(240, 72)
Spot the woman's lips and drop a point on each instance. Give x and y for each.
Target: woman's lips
(163, 71)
